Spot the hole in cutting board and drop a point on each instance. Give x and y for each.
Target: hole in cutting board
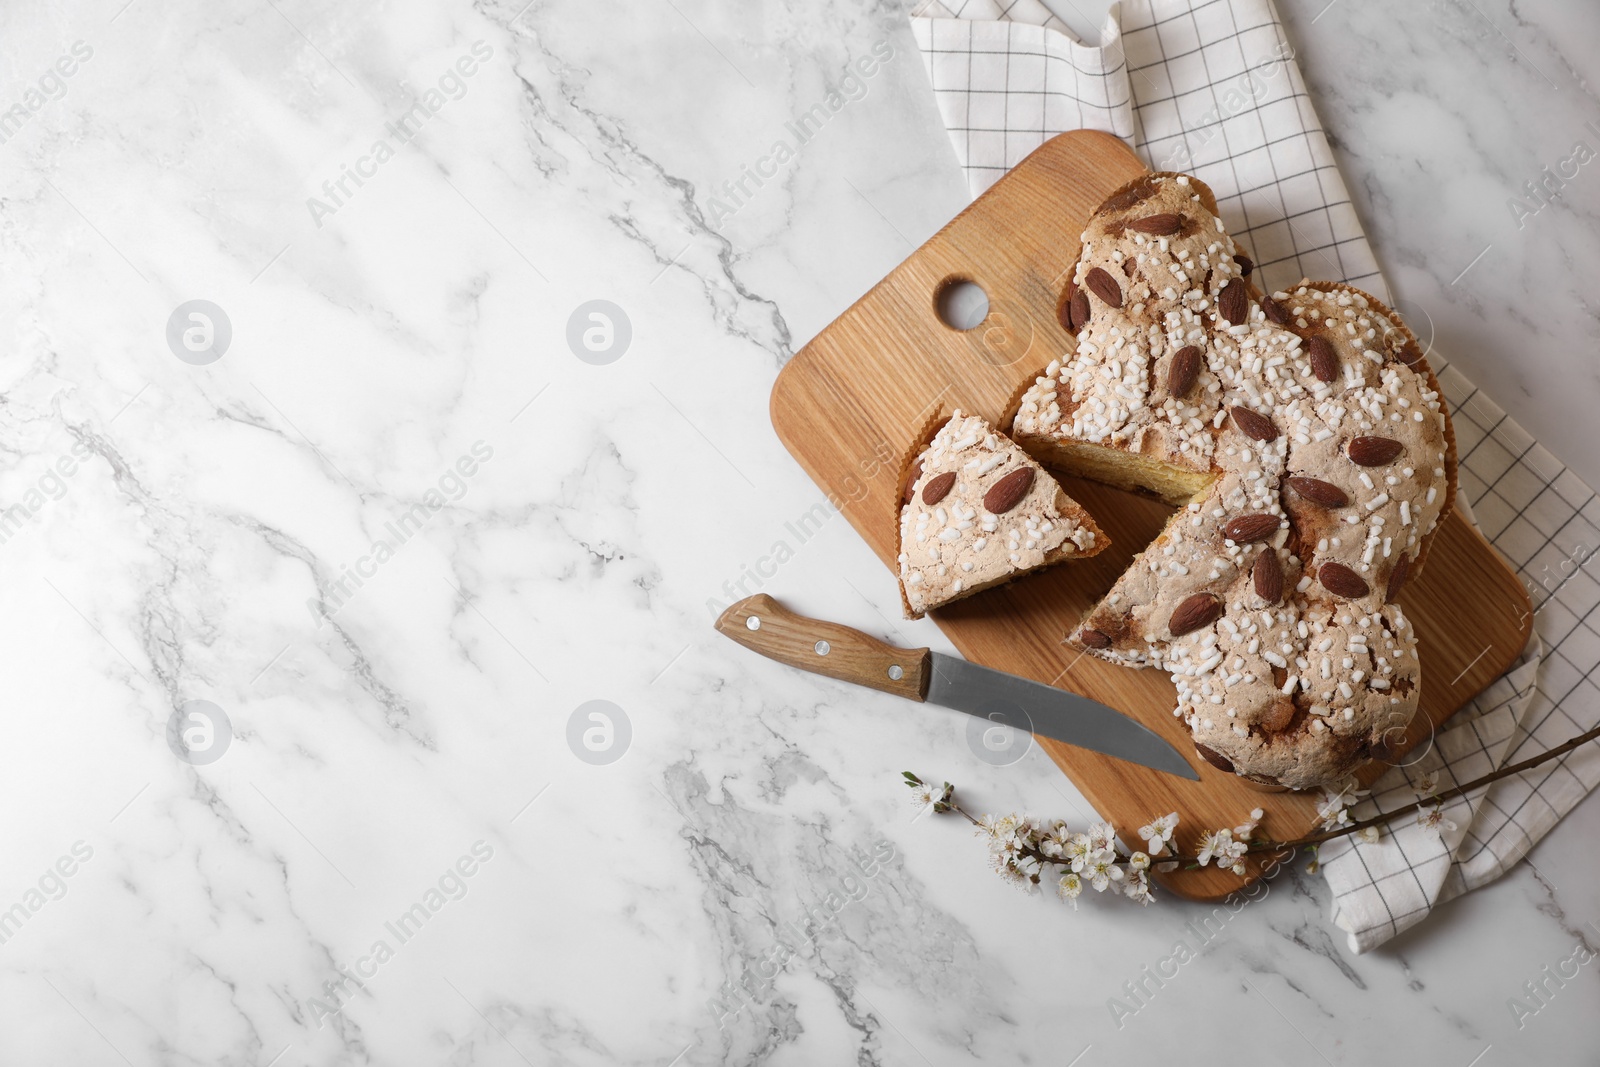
(961, 303)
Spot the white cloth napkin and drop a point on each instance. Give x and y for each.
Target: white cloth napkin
(1210, 87)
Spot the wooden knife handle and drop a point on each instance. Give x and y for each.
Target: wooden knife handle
(763, 625)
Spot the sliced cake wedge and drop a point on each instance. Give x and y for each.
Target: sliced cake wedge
(978, 511)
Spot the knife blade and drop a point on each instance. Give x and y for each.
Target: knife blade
(763, 625)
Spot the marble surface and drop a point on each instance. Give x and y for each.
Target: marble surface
(401, 535)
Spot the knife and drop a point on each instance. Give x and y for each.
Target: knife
(763, 625)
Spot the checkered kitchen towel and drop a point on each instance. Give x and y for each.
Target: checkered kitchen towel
(1210, 87)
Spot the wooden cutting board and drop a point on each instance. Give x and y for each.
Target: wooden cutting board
(873, 378)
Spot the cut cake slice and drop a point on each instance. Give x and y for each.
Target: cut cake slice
(978, 511)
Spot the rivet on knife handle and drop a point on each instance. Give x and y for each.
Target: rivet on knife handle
(763, 625)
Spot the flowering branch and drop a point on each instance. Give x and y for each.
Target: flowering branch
(1435, 799)
(1025, 850)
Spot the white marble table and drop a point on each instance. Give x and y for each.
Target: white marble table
(399, 533)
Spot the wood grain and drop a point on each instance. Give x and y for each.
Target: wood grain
(874, 377)
(763, 625)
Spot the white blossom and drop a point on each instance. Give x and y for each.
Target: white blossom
(1103, 869)
(1008, 871)
(1069, 887)
(1137, 887)
(1244, 830)
(1334, 808)
(1231, 854)
(1002, 834)
(1434, 820)
(1158, 832)
(1055, 842)
(928, 795)
(1079, 850)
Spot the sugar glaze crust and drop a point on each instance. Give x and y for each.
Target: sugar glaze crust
(962, 531)
(1320, 426)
